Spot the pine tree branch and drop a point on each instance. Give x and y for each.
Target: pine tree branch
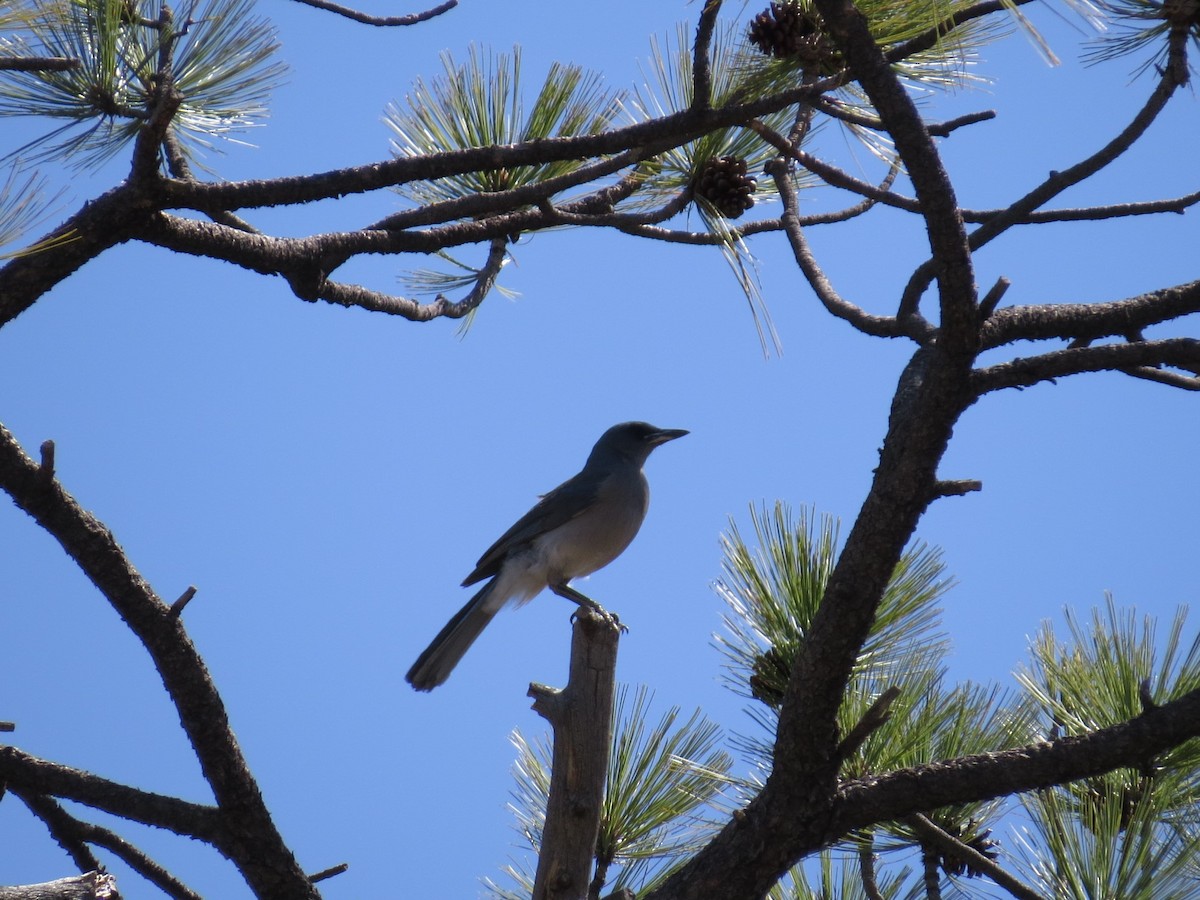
(1090, 321)
(381, 21)
(74, 835)
(1055, 184)
(935, 193)
(1006, 772)
(28, 775)
(581, 716)
(834, 303)
(928, 831)
(1027, 371)
(247, 834)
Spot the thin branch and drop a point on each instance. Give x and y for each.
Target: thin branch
(702, 56)
(30, 774)
(880, 326)
(992, 299)
(248, 835)
(1020, 210)
(382, 21)
(866, 869)
(483, 204)
(497, 255)
(184, 599)
(836, 109)
(969, 779)
(61, 825)
(1085, 322)
(872, 720)
(331, 872)
(1027, 371)
(930, 832)
(74, 835)
(37, 64)
(831, 174)
(1160, 376)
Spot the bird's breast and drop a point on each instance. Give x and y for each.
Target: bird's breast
(600, 534)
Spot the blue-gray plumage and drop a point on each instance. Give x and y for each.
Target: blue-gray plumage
(580, 526)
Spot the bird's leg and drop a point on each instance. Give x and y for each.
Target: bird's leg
(565, 590)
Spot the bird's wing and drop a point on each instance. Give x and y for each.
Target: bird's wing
(572, 498)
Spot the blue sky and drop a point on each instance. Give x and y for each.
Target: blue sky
(327, 477)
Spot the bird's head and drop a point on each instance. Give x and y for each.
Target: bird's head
(631, 441)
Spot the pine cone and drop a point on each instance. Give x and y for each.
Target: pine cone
(979, 841)
(724, 182)
(770, 678)
(788, 29)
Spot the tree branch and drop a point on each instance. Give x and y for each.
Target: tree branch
(985, 776)
(1089, 321)
(1024, 372)
(834, 303)
(382, 21)
(929, 831)
(247, 836)
(28, 774)
(581, 718)
(74, 835)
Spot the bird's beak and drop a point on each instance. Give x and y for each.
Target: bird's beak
(665, 434)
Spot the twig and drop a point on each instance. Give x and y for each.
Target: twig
(31, 774)
(866, 869)
(992, 299)
(928, 831)
(325, 874)
(483, 283)
(865, 322)
(37, 64)
(383, 21)
(957, 488)
(74, 835)
(184, 599)
(47, 464)
(701, 55)
(243, 830)
(873, 719)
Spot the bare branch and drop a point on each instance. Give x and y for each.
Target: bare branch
(872, 720)
(701, 56)
(835, 109)
(881, 326)
(247, 836)
(30, 774)
(383, 21)
(37, 63)
(75, 835)
(1085, 322)
(331, 872)
(1024, 372)
(1055, 184)
(94, 885)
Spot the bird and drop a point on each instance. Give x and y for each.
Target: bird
(580, 526)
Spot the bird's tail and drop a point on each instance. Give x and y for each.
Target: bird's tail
(434, 666)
